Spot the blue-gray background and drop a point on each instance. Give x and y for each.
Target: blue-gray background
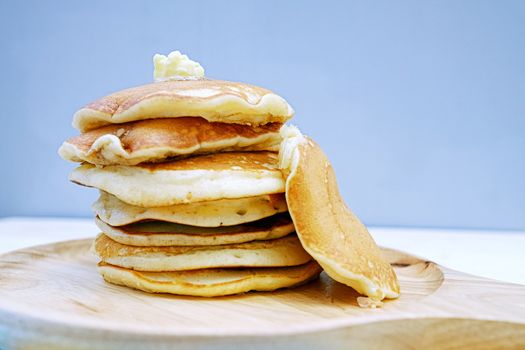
(419, 104)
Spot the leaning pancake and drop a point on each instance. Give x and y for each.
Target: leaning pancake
(286, 251)
(211, 282)
(195, 179)
(161, 233)
(213, 100)
(328, 230)
(222, 212)
(155, 140)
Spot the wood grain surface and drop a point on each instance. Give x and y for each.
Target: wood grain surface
(51, 297)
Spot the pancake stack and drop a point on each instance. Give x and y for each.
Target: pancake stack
(191, 197)
(204, 191)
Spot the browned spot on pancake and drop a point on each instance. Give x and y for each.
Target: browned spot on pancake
(245, 161)
(178, 133)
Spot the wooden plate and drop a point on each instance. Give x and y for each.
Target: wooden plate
(51, 296)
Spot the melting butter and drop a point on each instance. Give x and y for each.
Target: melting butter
(176, 66)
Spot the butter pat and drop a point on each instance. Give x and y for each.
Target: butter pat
(176, 66)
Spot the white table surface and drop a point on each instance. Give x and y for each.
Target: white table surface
(493, 254)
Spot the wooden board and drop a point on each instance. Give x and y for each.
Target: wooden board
(52, 297)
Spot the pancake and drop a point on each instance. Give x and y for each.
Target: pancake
(195, 179)
(214, 100)
(211, 282)
(222, 212)
(156, 140)
(328, 230)
(286, 251)
(160, 233)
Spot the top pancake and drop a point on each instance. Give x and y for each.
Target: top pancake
(213, 100)
(155, 140)
(328, 230)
